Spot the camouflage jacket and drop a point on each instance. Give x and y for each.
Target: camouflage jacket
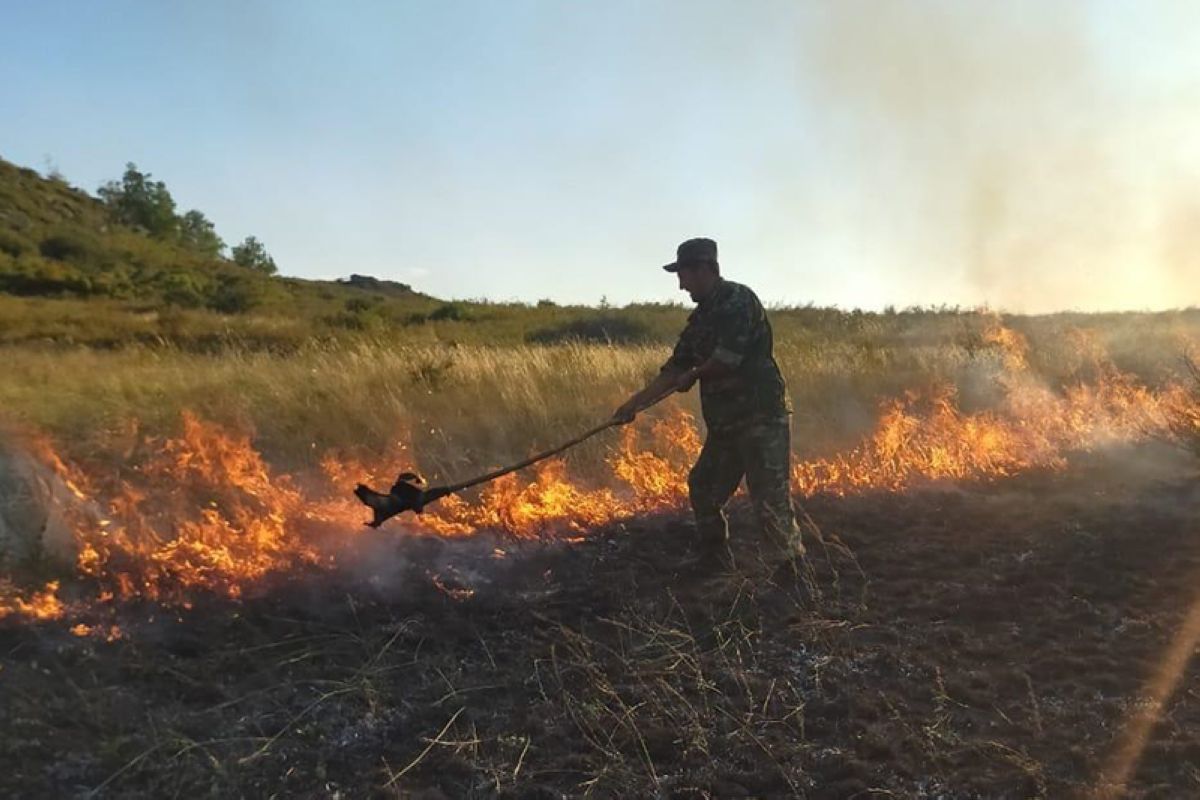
(731, 326)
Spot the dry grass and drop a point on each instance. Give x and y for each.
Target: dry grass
(462, 407)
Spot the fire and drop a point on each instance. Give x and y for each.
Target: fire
(42, 604)
(649, 472)
(204, 512)
(527, 508)
(920, 439)
(657, 470)
(1012, 346)
(109, 634)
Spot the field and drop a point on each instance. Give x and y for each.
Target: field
(1000, 598)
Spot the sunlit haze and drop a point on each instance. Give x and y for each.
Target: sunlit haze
(1031, 156)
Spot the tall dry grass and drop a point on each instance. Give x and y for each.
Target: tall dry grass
(456, 407)
(466, 407)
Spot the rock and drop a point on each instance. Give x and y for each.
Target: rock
(374, 284)
(32, 502)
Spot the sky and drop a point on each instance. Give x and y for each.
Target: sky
(1028, 156)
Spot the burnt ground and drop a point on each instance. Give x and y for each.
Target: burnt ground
(970, 642)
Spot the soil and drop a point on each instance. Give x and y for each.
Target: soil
(980, 641)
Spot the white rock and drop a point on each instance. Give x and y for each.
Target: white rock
(32, 504)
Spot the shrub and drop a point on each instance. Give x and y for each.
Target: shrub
(449, 311)
(32, 275)
(14, 244)
(76, 246)
(369, 319)
(236, 294)
(184, 290)
(141, 203)
(357, 305)
(251, 254)
(198, 234)
(607, 328)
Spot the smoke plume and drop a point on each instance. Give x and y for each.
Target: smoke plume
(1039, 155)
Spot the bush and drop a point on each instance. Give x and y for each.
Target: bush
(184, 290)
(357, 305)
(607, 328)
(142, 203)
(236, 294)
(114, 282)
(252, 255)
(369, 319)
(32, 275)
(449, 311)
(14, 244)
(76, 246)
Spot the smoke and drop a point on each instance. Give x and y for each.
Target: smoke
(396, 563)
(1036, 156)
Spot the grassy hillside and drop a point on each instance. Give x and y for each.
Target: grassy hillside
(72, 274)
(56, 240)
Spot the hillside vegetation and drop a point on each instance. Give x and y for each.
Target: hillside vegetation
(125, 268)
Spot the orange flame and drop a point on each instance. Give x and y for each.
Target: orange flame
(207, 513)
(921, 440)
(42, 604)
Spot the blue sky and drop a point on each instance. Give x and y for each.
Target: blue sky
(1029, 155)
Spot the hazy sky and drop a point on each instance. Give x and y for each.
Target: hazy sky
(1030, 155)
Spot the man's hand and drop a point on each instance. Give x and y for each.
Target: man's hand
(655, 390)
(625, 414)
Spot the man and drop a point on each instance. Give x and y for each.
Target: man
(727, 346)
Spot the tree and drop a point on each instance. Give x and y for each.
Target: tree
(252, 255)
(199, 235)
(141, 202)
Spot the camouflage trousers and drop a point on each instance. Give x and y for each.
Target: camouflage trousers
(761, 453)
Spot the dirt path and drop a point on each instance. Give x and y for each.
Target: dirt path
(986, 641)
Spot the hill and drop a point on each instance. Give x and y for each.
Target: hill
(73, 272)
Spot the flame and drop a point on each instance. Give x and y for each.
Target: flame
(41, 604)
(657, 470)
(926, 438)
(110, 634)
(649, 470)
(204, 512)
(1013, 347)
(923, 439)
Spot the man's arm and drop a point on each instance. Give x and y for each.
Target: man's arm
(667, 380)
(663, 382)
(734, 327)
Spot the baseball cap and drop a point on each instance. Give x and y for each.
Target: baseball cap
(693, 251)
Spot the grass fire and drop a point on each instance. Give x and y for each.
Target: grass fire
(205, 524)
(532, 401)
